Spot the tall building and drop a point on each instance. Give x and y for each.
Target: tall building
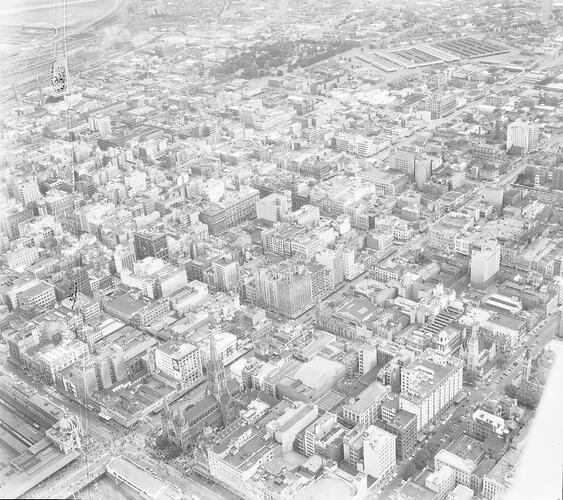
(440, 104)
(124, 258)
(379, 453)
(182, 362)
(224, 274)
(150, 243)
(523, 135)
(284, 289)
(422, 172)
(485, 264)
(403, 160)
(429, 385)
(27, 191)
(100, 123)
(234, 208)
(272, 208)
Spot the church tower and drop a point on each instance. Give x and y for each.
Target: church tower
(473, 348)
(217, 384)
(216, 378)
(165, 416)
(527, 365)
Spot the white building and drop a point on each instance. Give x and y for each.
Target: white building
(180, 362)
(485, 264)
(429, 385)
(286, 427)
(27, 192)
(379, 453)
(441, 481)
(272, 208)
(523, 135)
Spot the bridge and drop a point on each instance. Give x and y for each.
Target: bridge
(75, 481)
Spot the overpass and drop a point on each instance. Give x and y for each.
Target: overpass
(74, 482)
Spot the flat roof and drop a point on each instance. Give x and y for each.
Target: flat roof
(139, 478)
(368, 397)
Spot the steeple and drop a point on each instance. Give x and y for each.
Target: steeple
(527, 365)
(217, 381)
(165, 414)
(217, 384)
(179, 418)
(473, 347)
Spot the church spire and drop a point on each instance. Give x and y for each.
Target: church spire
(180, 420)
(217, 381)
(473, 347)
(165, 414)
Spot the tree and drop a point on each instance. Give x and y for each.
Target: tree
(279, 72)
(421, 459)
(409, 471)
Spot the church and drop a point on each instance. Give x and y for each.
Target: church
(480, 354)
(218, 408)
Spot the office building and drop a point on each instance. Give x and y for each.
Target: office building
(523, 135)
(286, 288)
(463, 456)
(429, 385)
(234, 208)
(440, 104)
(273, 208)
(379, 454)
(441, 481)
(181, 362)
(485, 264)
(100, 123)
(27, 192)
(224, 275)
(150, 243)
(364, 409)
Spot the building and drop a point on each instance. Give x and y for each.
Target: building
(182, 363)
(32, 293)
(273, 208)
(224, 275)
(499, 478)
(324, 437)
(463, 456)
(440, 104)
(523, 135)
(234, 208)
(441, 481)
(238, 456)
(27, 192)
(429, 385)
(485, 264)
(288, 288)
(379, 454)
(100, 123)
(401, 424)
(294, 420)
(150, 243)
(365, 408)
(217, 409)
